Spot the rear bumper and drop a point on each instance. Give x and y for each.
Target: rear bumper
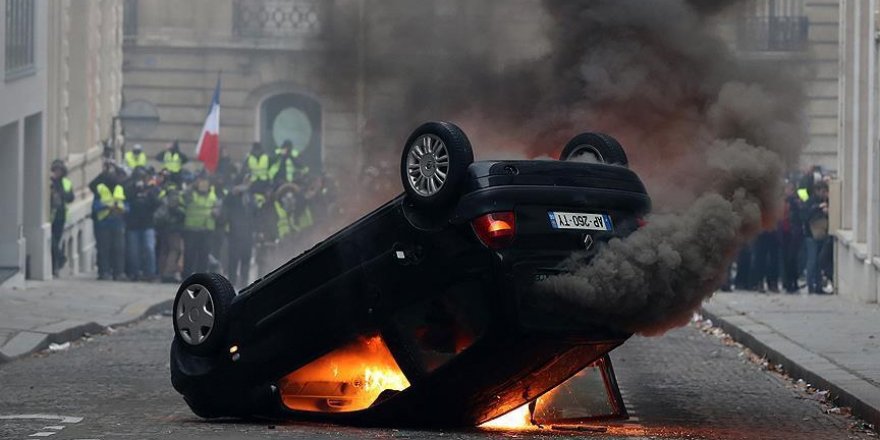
(506, 198)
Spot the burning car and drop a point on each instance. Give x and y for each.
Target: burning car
(416, 314)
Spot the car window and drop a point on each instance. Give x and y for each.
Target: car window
(591, 394)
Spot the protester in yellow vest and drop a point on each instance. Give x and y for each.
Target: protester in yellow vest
(108, 213)
(136, 157)
(172, 161)
(257, 162)
(61, 195)
(201, 207)
(283, 169)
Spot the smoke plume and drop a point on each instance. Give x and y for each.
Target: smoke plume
(708, 132)
(721, 132)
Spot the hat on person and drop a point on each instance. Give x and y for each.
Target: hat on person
(138, 147)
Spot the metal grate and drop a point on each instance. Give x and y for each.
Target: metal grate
(19, 42)
(276, 18)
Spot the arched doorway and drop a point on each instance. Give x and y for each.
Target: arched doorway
(294, 117)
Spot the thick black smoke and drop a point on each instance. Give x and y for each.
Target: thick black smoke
(721, 131)
(708, 132)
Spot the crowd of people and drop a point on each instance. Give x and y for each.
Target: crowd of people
(798, 253)
(161, 222)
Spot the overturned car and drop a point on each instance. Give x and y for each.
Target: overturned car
(415, 314)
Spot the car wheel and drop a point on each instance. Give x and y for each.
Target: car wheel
(595, 148)
(201, 312)
(434, 163)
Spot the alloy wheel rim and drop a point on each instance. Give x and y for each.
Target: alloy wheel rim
(427, 165)
(195, 314)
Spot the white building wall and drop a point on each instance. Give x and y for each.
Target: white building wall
(60, 111)
(857, 248)
(822, 87)
(24, 231)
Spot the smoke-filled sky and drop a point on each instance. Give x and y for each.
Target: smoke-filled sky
(709, 133)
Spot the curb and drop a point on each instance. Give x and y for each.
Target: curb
(838, 393)
(40, 341)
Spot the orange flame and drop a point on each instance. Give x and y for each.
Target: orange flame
(350, 378)
(517, 420)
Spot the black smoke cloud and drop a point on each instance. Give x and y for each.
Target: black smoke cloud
(709, 133)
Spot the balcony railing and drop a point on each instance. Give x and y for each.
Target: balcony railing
(773, 34)
(276, 18)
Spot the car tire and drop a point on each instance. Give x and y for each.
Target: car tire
(603, 148)
(428, 179)
(200, 310)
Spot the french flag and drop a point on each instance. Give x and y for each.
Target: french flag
(208, 148)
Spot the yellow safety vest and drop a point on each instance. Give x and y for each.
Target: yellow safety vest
(172, 162)
(283, 221)
(294, 153)
(305, 220)
(109, 199)
(803, 194)
(133, 161)
(259, 167)
(289, 169)
(66, 187)
(199, 212)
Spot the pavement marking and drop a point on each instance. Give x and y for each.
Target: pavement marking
(62, 419)
(45, 431)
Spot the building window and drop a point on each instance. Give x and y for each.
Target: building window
(129, 19)
(19, 50)
(296, 118)
(773, 26)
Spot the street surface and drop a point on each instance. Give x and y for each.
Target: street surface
(687, 384)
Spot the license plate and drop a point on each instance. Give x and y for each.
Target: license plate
(574, 220)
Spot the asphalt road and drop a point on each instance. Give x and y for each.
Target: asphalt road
(686, 384)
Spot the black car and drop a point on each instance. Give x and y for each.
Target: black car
(416, 314)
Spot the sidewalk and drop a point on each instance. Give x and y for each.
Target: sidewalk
(827, 341)
(64, 310)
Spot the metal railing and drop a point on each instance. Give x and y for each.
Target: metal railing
(276, 18)
(773, 34)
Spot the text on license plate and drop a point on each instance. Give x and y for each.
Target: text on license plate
(573, 220)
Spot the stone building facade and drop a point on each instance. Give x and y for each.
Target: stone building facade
(62, 70)
(268, 54)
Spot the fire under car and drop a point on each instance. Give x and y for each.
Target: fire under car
(418, 313)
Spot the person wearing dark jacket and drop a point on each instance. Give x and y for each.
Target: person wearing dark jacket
(791, 234)
(816, 232)
(61, 195)
(169, 218)
(109, 207)
(140, 231)
(239, 209)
